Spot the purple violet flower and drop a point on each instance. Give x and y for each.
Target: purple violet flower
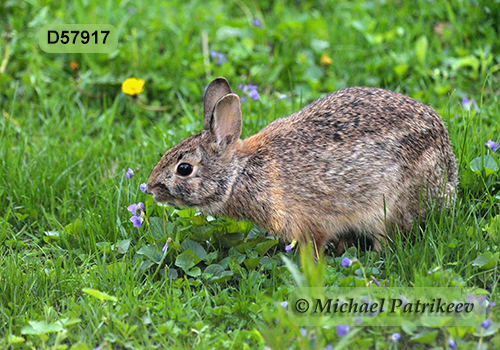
(467, 104)
(250, 90)
(243, 87)
(451, 343)
(329, 347)
(282, 96)
(132, 208)
(486, 324)
(342, 331)
(254, 95)
(221, 58)
(142, 187)
(257, 23)
(492, 145)
(165, 247)
(129, 174)
(292, 245)
(434, 270)
(346, 262)
(284, 304)
(136, 208)
(395, 337)
(490, 305)
(303, 332)
(137, 221)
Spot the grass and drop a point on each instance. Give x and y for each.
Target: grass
(75, 273)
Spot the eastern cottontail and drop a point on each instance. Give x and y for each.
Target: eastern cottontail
(361, 161)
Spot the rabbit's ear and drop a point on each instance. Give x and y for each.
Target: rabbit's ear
(217, 89)
(226, 124)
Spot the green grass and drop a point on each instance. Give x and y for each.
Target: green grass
(67, 138)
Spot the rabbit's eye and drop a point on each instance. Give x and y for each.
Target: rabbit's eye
(184, 169)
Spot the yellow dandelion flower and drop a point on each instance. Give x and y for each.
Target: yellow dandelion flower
(325, 60)
(133, 86)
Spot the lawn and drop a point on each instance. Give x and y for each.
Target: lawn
(76, 273)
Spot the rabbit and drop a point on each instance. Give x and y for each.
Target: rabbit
(360, 162)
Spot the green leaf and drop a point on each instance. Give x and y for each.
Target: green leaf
(253, 233)
(468, 61)
(454, 243)
(152, 252)
(169, 327)
(486, 261)
(99, 295)
(233, 239)
(252, 263)
(319, 46)
(268, 263)
(224, 33)
(40, 327)
(69, 321)
(104, 247)
(159, 228)
(247, 246)
(219, 310)
(51, 235)
(401, 69)
(122, 246)
(475, 165)
(172, 273)
(21, 217)
(235, 266)
(185, 213)
(195, 247)
(489, 164)
(194, 272)
(213, 270)
(421, 47)
(74, 227)
(80, 346)
(223, 277)
(235, 255)
(12, 339)
(346, 281)
(210, 257)
(186, 260)
(426, 338)
(263, 247)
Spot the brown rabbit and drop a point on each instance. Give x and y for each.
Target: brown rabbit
(361, 161)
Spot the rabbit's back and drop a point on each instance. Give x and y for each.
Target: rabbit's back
(359, 159)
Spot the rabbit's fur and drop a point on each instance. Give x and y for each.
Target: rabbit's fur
(361, 161)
